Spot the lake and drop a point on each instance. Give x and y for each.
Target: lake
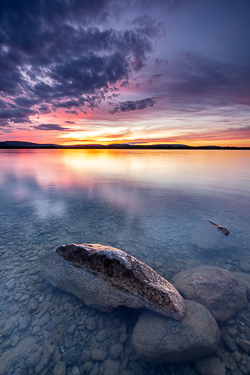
(151, 204)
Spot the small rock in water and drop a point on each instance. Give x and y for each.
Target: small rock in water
(210, 366)
(231, 345)
(116, 350)
(87, 367)
(104, 277)
(32, 306)
(102, 335)
(14, 309)
(33, 360)
(98, 355)
(16, 357)
(9, 327)
(233, 332)
(90, 324)
(75, 371)
(245, 266)
(244, 344)
(48, 350)
(215, 288)
(60, 368)
(71, 329)
(227, 266)
(158, 339)
(111, 367)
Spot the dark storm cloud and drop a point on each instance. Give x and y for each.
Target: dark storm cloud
(52, 55)
(44, 108)
(25, 102)
(2, 104)
(133, 105)
(3, 123)
(16, 114)
(50, 127)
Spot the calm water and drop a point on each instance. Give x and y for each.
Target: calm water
(151, 204)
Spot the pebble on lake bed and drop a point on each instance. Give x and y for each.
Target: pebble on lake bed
(104, 277)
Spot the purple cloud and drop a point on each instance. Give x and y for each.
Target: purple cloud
(133, 105)
(53, 127)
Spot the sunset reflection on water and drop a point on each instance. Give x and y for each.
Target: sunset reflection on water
(194, 169)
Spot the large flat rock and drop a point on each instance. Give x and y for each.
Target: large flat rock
(104, 277)
(158, 339)
(219, 290)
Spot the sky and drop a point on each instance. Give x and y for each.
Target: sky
(127, 71)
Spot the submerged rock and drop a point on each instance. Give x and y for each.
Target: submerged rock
(215, 288)
(15, 357)
(104, 277)
(158, 339)
(244, 278)
(210, 366)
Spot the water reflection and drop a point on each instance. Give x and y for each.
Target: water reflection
(148, 203)
(173, 168)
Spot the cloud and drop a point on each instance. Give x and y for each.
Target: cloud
(133, 105)
(54, 56)
(25, 102)
(170, 6)
(205, 82)
(232, 133)
(69, 122)
(53, 127)
(72, 112)
(11, 114)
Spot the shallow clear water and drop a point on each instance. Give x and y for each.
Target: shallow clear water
(151, 204)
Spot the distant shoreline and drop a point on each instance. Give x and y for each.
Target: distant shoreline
(29, 145)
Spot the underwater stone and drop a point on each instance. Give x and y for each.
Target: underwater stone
(210, 366)
(104, 277)
(215, 288)
(15, 357)
(158, 339)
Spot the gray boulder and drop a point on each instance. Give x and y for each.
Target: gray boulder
(158, 339)
(104, 278)
(215, 288)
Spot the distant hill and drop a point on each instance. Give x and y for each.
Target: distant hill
(20, 144)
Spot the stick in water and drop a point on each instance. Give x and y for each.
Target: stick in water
(224, 230)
